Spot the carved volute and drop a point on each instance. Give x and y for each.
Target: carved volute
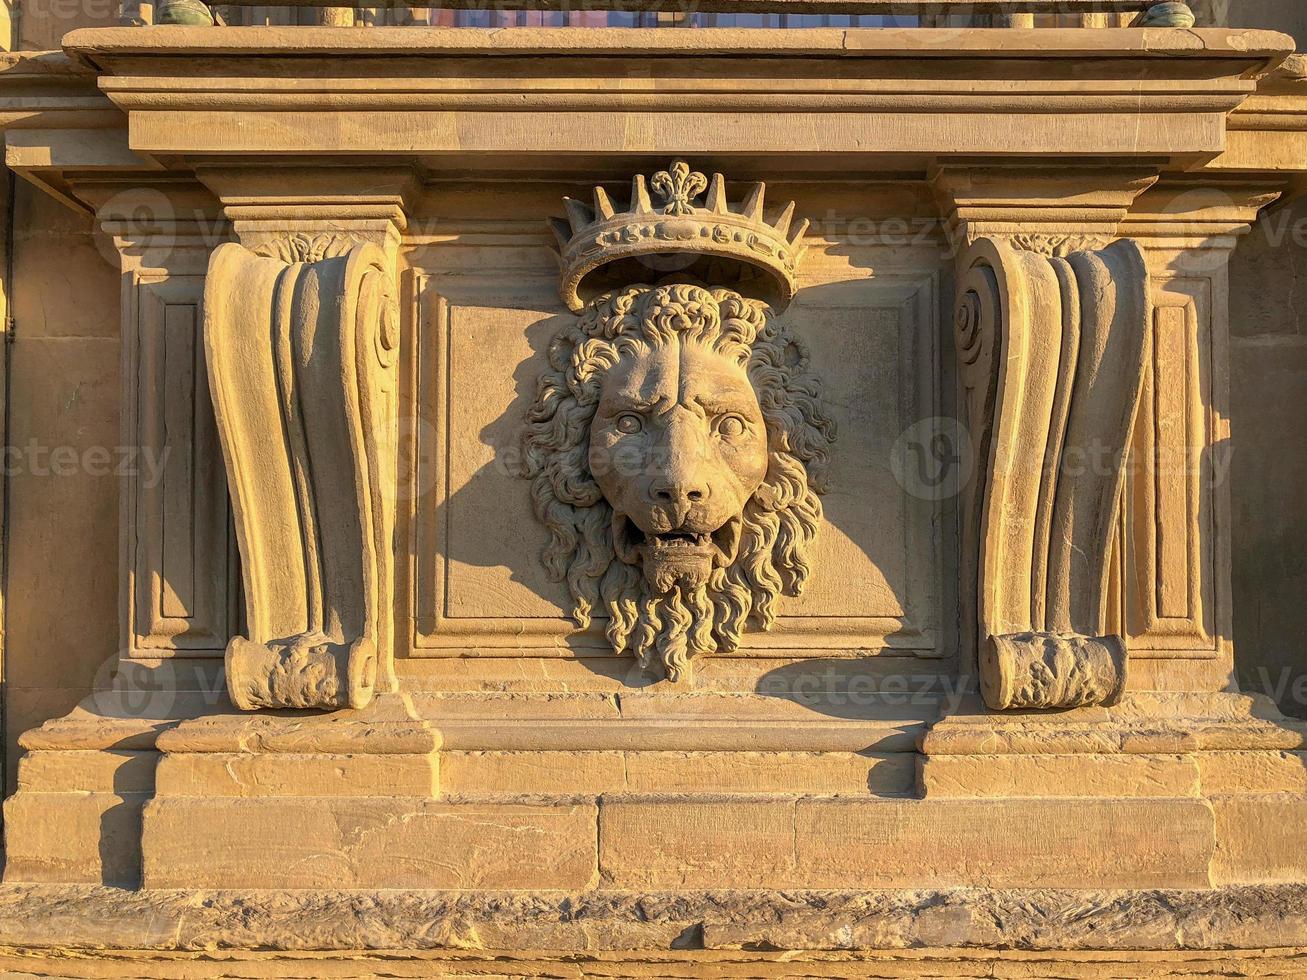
(1052, 351)
(302, 346)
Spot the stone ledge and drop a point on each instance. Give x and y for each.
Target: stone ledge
(914, 43)
(928, 964)
(89, 918)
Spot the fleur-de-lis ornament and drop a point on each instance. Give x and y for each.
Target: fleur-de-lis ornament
(678, 187)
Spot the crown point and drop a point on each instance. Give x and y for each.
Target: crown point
(562, 230)
(783, 222)
(716, 198)
(799, 232)
(578, 214)
(640, 202)
(603, 204)
(753, 205)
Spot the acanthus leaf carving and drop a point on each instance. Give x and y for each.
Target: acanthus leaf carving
(302, 345)
(304, 247)
(1057, 246)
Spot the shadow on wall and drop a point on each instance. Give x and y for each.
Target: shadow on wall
(1268, 326)
(494, 500)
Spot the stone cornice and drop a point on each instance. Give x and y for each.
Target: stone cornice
(48, 89)
(874, 102)
(101, 46)
(873, 94)
(890, 101)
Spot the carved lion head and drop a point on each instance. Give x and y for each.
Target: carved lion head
(677, 445)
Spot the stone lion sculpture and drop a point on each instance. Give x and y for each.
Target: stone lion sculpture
(677, 447)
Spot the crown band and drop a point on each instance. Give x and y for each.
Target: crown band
(693, 232)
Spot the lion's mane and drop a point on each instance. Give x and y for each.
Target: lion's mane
(780, 520)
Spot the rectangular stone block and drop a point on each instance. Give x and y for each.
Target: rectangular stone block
(1252, 772)
(1260, 839)
(232, 774)
(107, 771)
(596, 773)
(996, 776)
(366, 842)
(771, 772)
(587, 773)
(84, 838)
(1009, 843)
(832, 842)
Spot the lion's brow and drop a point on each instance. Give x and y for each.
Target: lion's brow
(629, 400)
(716, 405)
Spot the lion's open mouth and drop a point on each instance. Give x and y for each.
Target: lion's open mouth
(680, 539)
(632, 544)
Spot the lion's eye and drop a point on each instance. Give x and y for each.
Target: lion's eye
(629, 423)
(731, 426)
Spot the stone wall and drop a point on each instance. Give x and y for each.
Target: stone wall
(61, 615)
(1289, 16)
(61, 600)
(1268, 326)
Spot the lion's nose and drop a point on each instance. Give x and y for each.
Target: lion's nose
(679, 495)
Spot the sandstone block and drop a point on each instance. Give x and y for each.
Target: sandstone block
(232, 774)
(1001, 776)
(780, 842)
(91, 838)
(1260, 839)
(374, 842)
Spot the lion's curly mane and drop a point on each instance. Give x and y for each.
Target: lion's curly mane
(780, 520)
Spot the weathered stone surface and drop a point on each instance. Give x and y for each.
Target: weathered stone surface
(594, 773)
(376, 842)
(1001, 776)
(86, 917)
(516, 791)
(220, 774)
(928, 964)
(1260, 838)
(778, 842)
(74, 837)
(1253, 772)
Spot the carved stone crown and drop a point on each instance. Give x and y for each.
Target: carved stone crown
(694, 231)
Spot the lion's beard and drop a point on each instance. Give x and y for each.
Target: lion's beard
(668, 629)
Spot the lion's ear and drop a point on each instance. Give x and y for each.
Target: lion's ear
(561, 350)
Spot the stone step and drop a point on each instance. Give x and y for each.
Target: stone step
(443, 706)
(593, 773)
(667, 842)
(662, 722)
(679, 735)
